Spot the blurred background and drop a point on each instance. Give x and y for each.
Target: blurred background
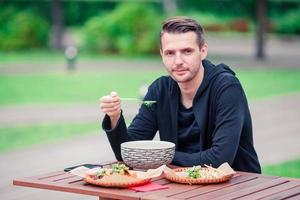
(58, 57)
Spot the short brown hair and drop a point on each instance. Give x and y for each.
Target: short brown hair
(182, 24)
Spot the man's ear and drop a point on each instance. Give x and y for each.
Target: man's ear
(160, 51)
(203, 51)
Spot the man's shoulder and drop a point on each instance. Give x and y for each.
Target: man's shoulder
(227, 76)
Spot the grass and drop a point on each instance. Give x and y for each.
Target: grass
(44, 56)
(60, 88)
(261, 83)
(24, 136)
(31, 56)
(70, 88)
(289, 169)
(88, 87)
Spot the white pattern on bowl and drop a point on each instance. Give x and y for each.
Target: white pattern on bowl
(147, 154)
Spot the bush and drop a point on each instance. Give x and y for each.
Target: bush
(289, 23)
(217, 23)
(25, 29)
(129, 29)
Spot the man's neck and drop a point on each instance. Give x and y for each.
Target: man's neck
(189, 89)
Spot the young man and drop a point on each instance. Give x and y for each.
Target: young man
(200, 107)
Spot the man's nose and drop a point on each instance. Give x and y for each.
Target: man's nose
(178, 59)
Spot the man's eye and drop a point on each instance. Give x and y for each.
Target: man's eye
(188, 51)
(168, 53)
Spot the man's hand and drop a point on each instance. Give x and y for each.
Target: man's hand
(111, 105)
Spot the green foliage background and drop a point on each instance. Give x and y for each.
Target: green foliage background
(22, 29)
(129, 29)
(132, 27)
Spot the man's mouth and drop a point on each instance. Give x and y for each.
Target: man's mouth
(179, 72)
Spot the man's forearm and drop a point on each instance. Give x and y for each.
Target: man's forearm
(208, 157)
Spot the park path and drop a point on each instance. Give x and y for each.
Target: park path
(276, 123)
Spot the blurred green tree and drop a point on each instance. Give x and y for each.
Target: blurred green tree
(289, 23)
(129, 29)
(24, 30)
(282, 16)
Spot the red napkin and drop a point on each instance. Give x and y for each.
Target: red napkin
(148, 187)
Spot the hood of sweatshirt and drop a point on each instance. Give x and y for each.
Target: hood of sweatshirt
(211, 71)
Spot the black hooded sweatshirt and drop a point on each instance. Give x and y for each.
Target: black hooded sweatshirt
(221, 111)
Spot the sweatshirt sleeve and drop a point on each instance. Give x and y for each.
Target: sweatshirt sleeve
(230, 111)
(115, 136)
(143, 126)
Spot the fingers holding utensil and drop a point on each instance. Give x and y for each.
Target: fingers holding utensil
(111, 105)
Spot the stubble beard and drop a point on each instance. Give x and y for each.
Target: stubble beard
(192, 75)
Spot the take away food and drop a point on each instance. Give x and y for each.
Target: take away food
(200, 175)
(117, 176)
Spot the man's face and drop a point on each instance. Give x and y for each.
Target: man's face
(182, 55)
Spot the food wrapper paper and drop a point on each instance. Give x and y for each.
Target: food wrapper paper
(176, 175)
(210, 175)
(151, 173)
